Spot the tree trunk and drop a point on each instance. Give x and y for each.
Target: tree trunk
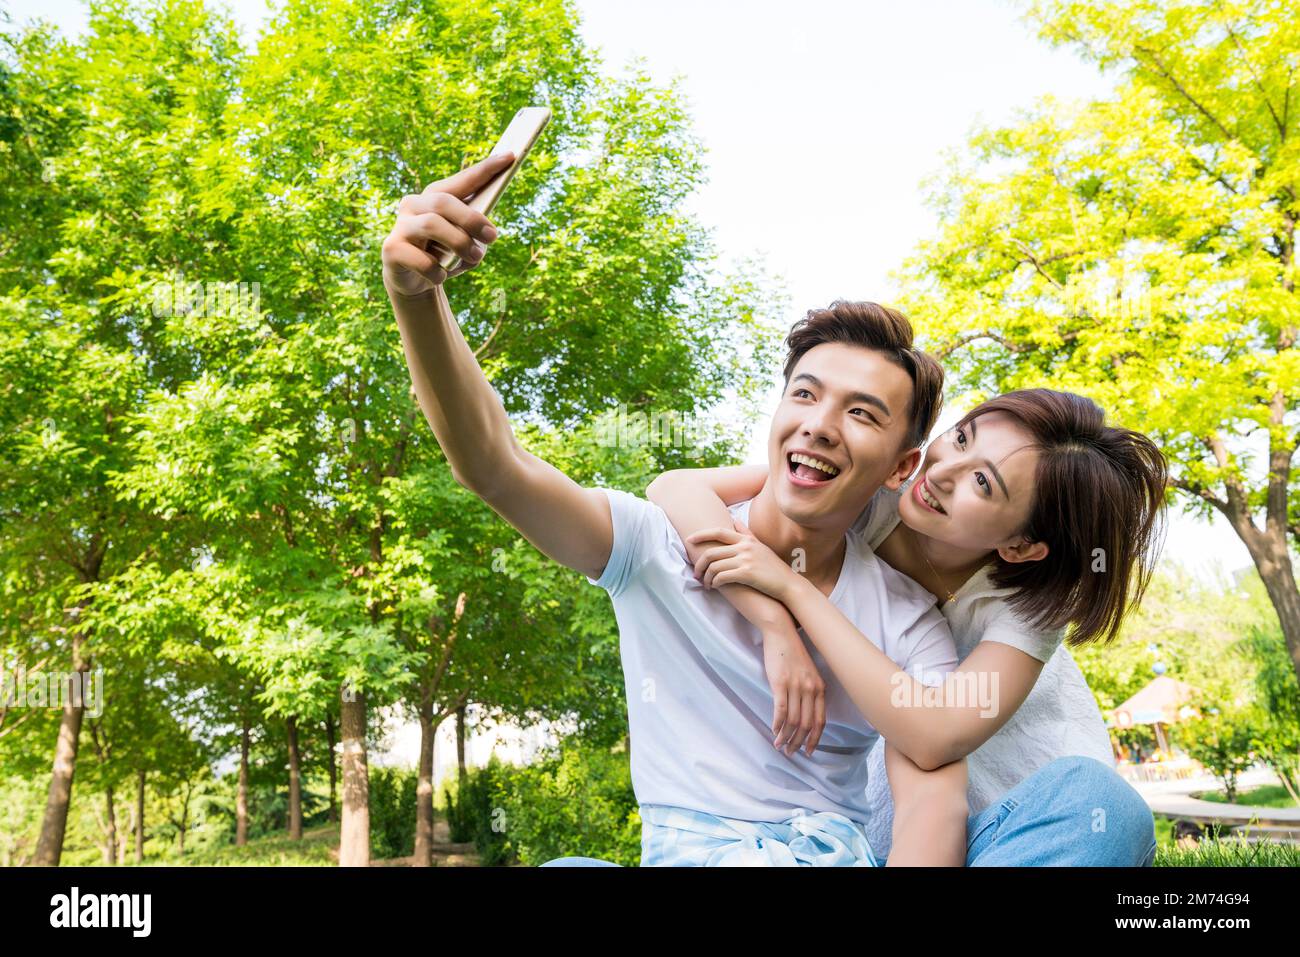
(123, 836)
(110, 846)
(333, 768)
(1273, 562)
(354, 834)
(1268, 546)
(184, 822)
(49, 847)
(460, 750)
(241, 794)
(424, 787)
(295, 783)
(139, 816)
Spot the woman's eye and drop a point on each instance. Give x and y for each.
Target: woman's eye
(961, 438)
(801, 392)
(983, 482)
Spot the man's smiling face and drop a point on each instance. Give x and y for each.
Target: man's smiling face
(839, 434)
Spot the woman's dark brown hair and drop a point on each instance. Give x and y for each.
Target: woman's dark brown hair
(887, 331)
(1099, 500)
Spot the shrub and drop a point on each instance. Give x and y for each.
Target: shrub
(474, 812)
(578, 802)
(392, 812)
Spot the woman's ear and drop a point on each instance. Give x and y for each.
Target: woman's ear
(1026, 551)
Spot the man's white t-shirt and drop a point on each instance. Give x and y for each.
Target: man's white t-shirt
(1059, 717)
(698, 702)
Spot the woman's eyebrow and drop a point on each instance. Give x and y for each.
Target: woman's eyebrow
(998, 475)
(992, 468)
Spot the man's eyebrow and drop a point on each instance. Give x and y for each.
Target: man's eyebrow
(869, 399)
(864, 397)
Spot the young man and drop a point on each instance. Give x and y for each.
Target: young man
(858, 403)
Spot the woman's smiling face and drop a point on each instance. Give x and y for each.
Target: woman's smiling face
(975, 489)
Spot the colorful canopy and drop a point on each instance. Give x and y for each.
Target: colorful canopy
(1160, 702)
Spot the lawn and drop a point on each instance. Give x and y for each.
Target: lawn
(319, 847)
(1268, 795)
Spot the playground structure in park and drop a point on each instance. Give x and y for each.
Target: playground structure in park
(1160, 703)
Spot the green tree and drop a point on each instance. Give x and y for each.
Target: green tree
(1140, 249)
(97, 142)
(1220, 739)
(1277, 730)
(250, 475)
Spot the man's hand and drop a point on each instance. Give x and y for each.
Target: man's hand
(567, 522)
(798, 692)
(440, 214)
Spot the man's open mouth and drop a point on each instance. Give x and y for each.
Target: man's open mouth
(810, 469)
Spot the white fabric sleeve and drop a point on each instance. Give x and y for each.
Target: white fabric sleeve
(635, 523)
(1008, 628)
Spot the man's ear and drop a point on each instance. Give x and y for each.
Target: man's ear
(1024, 552)
(903, 468)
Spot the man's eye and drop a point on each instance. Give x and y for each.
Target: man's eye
(798, 392)
(864, 412)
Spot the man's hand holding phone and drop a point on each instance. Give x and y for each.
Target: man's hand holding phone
(440, 214)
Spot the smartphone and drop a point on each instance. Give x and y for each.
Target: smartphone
(518, 138)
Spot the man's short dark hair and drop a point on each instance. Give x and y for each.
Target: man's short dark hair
(887, 331)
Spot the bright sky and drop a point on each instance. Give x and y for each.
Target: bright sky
(820, 121)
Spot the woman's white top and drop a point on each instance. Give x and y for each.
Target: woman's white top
(1059, 717)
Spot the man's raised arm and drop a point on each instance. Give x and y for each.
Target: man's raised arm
(567, 522)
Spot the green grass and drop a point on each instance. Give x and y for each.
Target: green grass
(271, 851)
(1210, 852)
(1269, 795)
(317, 843)
(1230, 853)
(275, 850)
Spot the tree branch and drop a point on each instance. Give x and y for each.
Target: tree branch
(455, 706)
(1034, 261)
(1164, 71)
(447, 646)
(1199, 491)
(952, 347)
(1259, 83)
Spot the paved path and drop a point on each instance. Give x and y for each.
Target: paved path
(1173, 799)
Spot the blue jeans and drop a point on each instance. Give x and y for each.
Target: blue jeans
(1073, 812)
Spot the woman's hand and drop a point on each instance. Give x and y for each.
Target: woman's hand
(738, 557)
(442, 215)
(798, 691)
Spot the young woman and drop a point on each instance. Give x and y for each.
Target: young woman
(1028, 518)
